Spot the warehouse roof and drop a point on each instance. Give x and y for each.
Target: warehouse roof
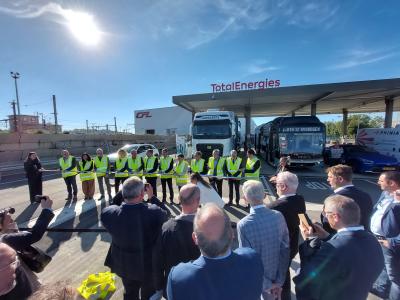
(356, 97)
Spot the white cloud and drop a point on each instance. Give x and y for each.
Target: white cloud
(359, 57)
(258, 67)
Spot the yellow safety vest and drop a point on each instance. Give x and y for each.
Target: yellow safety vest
(220, 166)
(249, 165)
(233, 167)
(85, 174)
(64, 165)
(181, 173)
(120, 165)
(149, 165)
(101, 165)
(197, 165)
(164, 165)
(134, 165)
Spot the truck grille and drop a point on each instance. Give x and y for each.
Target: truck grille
(207, 149)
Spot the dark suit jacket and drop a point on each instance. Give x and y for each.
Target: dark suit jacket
(290, 207)
(344, 267)
(23, 239)
(391, 226)
(174, 245)
(134, 230)
(236, 277)
(363, 200)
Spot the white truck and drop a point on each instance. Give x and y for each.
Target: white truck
(215, 130)
(384, 140)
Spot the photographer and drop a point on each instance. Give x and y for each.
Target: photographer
(21, 241)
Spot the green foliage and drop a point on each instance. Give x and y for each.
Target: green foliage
(353, 123)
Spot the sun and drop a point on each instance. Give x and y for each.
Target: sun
(83, 27)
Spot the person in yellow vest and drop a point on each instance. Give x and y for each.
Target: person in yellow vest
(121, 169)
(135, 164)
(69, 170)
(167, 171)
(233, 169)
(102, 167)
(253, 166)
(181, 171)
(197, 165)
(87, 175)
(216, 167)
(150, 169)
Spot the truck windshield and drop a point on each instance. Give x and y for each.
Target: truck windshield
(299, 142)
(212, 129)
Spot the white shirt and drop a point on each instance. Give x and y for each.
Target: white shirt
(209, 195)
(253, 208)
(285, 196)
(380, 209)
(351, 228)
(342, 188)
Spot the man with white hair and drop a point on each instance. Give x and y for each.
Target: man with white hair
(290, 205)
(266, 232)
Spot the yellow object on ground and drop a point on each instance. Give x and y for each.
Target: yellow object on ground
(98, 286)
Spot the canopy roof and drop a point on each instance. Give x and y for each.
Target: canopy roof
(331, 98)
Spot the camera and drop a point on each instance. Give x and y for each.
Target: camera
(4, 211)
(39, 198)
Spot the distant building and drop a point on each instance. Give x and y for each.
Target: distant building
(163, 121)
(30, 124)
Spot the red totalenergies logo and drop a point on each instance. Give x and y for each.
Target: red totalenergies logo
(238, 86)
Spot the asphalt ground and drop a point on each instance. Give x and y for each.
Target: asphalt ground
(77, 254)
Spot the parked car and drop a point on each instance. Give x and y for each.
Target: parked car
(140, 148)
(364, 159)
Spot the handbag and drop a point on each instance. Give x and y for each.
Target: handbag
(34, 258)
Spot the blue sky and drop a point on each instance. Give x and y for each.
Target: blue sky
(150, 51)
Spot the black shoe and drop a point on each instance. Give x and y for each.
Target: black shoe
(164, 200)
(68, 198)
(101, 197)
(230, 203)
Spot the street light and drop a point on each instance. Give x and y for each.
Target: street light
(16, 75)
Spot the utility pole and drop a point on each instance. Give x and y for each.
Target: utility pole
(115, 124)
(16, 75)
(107, 128)
(55, 115)
(87, 126)
(14, 117)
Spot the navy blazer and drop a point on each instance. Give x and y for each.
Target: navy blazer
(344, 267)
(23, 239)
(236, 277)
(391, 226)
(363, 200)
(134, 230)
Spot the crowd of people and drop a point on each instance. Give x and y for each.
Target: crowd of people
(352, 251)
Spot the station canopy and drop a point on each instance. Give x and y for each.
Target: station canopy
(332, 98)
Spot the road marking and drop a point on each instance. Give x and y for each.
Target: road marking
(271, 194)
(19, 180)
(367, 180)
(315, 185)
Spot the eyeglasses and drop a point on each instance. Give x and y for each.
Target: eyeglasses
(327, 213)
(15, 264)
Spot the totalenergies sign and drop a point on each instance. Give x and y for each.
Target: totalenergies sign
(239, 86)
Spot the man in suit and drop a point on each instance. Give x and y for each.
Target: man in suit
(289, 204)
(266, 232)
(343, 266)
(219, 273)
(175, 243)
(385, 224)
(134, 227)
(340, 179)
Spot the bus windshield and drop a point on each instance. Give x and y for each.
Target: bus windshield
(299, 142)
(212, 129)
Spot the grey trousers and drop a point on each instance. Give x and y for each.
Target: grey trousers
(101, 187)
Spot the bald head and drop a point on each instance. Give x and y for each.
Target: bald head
(8, 266)
(188, 194)
(212, 231)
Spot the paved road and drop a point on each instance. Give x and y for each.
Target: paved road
(75, 255)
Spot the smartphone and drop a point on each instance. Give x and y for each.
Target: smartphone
(146, 186)
(306, 221)
(39, 198)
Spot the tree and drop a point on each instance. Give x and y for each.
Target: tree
(354, 122)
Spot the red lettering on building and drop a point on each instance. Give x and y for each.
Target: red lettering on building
(143, 114)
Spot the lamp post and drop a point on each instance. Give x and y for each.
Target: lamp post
(16, 75)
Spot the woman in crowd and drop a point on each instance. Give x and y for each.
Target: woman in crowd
(121, 169)
(207, 193)
(33, 169)
(87, 175)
